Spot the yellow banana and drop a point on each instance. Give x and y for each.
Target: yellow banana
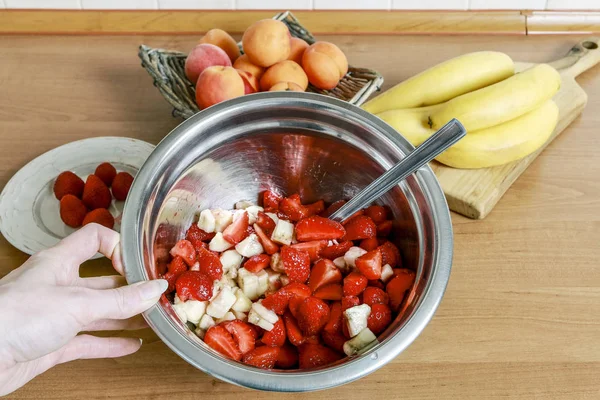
(445, 81)
(488, 147)
(500, 102)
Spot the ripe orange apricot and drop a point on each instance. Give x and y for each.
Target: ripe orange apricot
(297, 47)
(286, 87)
(325, 64)
(266, 42)
(203, 56)
(222, 39)
(217, 84)
(250, 82)
(284, 71)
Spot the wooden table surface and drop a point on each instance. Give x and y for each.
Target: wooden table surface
(521, 316)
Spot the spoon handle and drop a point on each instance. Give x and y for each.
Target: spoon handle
(448, 134)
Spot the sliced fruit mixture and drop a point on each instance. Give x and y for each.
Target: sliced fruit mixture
(282, 286)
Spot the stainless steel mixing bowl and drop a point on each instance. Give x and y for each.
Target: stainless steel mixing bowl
(316, 146)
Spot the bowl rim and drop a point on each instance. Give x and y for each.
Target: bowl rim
(294, 381)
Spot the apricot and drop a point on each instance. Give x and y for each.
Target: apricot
(267, 42)
(286, 87)
(284, 71)
(250, 82)
(217, 84)
(244, 64)
(297, 47)
(222, 39)
(325, 64)
(204, 56)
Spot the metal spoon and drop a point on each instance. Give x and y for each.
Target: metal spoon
(448, 134)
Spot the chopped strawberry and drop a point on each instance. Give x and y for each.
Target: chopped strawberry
(333, 208)
(294, 333)
(296, 264)
(95, 193)
(238, 230)
(185, 250)
(265, 222)
(171, 279)
(403, 271)
(349, 302)
(360, 227)
(369, 264)
(297, 289)
(316, 355)
(335, 340)
(335, 318)
(271, 200)
(294, 305)
(376, 283)
(194, 285)
(177, 266)
(379, 319)
(293, 208)
(314, 339)
(337, 250)
(250, 230)
(221, 341)
(385, 228)
(354, 284)
(390, 254)
(323, 272)
(333, 291)
(243, 335)
(313, 314)
(194, 233)
(397, 287)
(377, 213)
(318, 228)
(315, 208)
(356, 214)
(276, 336)
(210, 264)
(369, 244)
(121, 185)
(278, 301)
(262, 357)
(312, 248)
(288, 357)
(373, 295)
(106, 172)
(68, 183)
(257, 263)
(268, 245)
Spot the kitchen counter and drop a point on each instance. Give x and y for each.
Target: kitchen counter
(521, 316)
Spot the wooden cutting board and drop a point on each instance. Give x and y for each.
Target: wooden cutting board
(475, 192)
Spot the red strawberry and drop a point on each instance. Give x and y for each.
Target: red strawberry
(243, 335)
(294, 334)
(314, 339)
(390, 255)
(276, 336)
(313, 314)
(177, 266)
(210, 264)
(376, 213)
(296, 264)
(333, 291)
(315, 208)
(68, 183)
(312, 248)
(334, 340)
(238, 230)
(99, 216)
(185, 250)
(354, 284)
(268, 245)
(194, 233)
(262, 357)
(294, 304)
(323, 273)
(96, 193)
(257, 263)
(221, 341)
(349, 302)
(106, 172)
(72, 211)
(369, 244)
(121, 185)
(271, 200)
(376, 283)
(337, 250)
(379, 319)
(318, 228)
(288, 357)
(369, 264)
(265, 222)
(333, 208)
(373, 295)
(385, 228)
(293, 208)
(356, 214)
(335, 318)
(194, 285)
(316, 355)
(297, 289)
(278, 301)
(397, 287)
(171, 278)
(360, 227)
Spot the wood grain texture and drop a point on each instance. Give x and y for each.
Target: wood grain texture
(563, 22)
(193, 21)
(521, 315)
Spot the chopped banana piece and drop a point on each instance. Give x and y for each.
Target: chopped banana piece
(263, 282)
(283, 233)
(265, 313)
(273, 216)
(206, 322)
(200, 333)
(180, 311)
(223, 218)
(242, 205)
(253, 213)
(206, 222)
(192, 309)
(386, 273)
(218, 243)
(356, 318)
(277, 263)
(360, 343)
(242, 302)
(231, 260)
(248, 282)
(229, 316)
(274, 281)
(250, 246)
(219, 306)
(352, 254)
(240, 315)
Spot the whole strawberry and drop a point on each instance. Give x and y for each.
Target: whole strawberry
(96, 193)
(68, 183)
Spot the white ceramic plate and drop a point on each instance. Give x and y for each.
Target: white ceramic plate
(29, 211)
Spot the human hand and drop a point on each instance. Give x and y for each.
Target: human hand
(45, 304)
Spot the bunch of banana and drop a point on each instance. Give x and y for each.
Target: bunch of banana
(507, 116)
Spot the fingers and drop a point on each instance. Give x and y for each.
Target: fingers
(102, 282)
(88, 346)
(130, 324)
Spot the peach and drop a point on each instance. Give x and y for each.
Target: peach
(244, 64)
(284, 71)
(217, 84)
(267, 42)
(324, 64)
(203, 56)
(286, 87)
(250, 82)
(297, 47)
(222, 39)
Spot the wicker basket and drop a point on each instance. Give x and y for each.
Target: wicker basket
(167, 69)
